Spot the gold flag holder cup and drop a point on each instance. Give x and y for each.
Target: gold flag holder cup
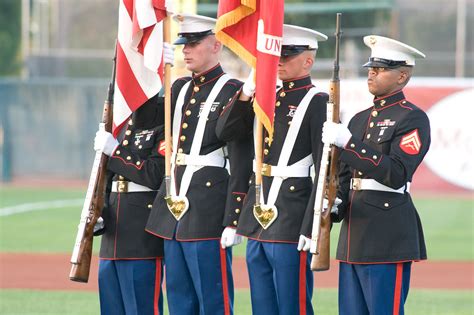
(265, 214)
(178, 206)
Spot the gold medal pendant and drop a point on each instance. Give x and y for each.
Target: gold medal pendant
(178, 206)
(265, 215)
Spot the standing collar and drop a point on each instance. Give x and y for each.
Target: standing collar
(208, 75)
(296, 83)
(390, 99)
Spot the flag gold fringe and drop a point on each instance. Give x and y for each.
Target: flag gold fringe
(264, 119)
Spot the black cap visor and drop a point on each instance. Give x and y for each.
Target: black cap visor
(293, 50)
(185, 38)
(383, 63)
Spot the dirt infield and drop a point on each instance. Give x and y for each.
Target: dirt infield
(50, 272)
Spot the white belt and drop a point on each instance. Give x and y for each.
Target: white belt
(123, 186)
(284, 171)
(214, 158)
(372, 184)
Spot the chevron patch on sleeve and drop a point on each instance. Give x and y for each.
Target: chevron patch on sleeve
(162, 147)
(411, 143)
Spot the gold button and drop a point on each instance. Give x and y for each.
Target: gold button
(292, 188)
(140, 146)
(277, 103)
(289, 123)
(368, 136)
(138, 163)
(121, 177)
(359, 172)
(188, 112)
(180, 150)
(182, 138)
(379, 139)
(125, 142)
(363, 151)
(192, 101)
(196, 89)
(374, 157)
(185, 125)
(150, 206)
(375, 113)
(250, 182)
(267, 139)
(353, 145)
(202, 78)
(371, 124)
(235, 222)
(130, 122)
(291, 85)
(237, 210)
(265, 151)
(386, 205)
(128, 132)
(404, 102)
(208, 184)
(282, 94)
(129, 157)
(117, 152)
(382, 102)
(239, 199)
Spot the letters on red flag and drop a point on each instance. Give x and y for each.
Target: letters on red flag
(253, 30)
(139, 69)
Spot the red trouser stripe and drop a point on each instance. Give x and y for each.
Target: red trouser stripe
(398, 289)
(302, 295)
(225, 285)
(156, 310)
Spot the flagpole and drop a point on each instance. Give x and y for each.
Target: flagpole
(258, 161)
(167, 85)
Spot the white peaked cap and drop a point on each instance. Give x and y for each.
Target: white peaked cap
(191, 23)
(385, 49)
(299, 36)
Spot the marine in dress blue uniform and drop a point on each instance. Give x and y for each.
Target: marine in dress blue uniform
(130, 266)
(198, 271)
(381, 233)
(281, 281)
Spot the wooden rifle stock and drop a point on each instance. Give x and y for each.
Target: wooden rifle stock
(328, 175)
(94, 201)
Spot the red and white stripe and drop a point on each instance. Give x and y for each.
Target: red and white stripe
(139, 70)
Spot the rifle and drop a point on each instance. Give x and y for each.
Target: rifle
(94, 201)
(328, 174)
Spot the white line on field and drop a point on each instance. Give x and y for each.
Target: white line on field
(43, 205)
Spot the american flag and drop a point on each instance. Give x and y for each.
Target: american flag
(139, 67)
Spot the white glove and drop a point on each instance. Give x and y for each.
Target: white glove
(99, 227)
(168, 53)
(230, 238)
(304, 243)
(334, 208)
(104, 141)
(336, 134)
(249, 85)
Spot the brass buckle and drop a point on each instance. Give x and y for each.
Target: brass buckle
(266, 170)
(180, 159)
(356, 183)
(122, 186)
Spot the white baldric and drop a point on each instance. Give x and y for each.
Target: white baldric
(197, 139)
(287, 148)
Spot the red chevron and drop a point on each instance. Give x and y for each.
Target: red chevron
(162, 147)
(411, 143)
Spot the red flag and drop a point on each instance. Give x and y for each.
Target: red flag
(253, 30)
(139, 56)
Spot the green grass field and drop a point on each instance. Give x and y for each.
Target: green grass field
(448, 225)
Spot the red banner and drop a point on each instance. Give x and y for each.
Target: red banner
(253, 30)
